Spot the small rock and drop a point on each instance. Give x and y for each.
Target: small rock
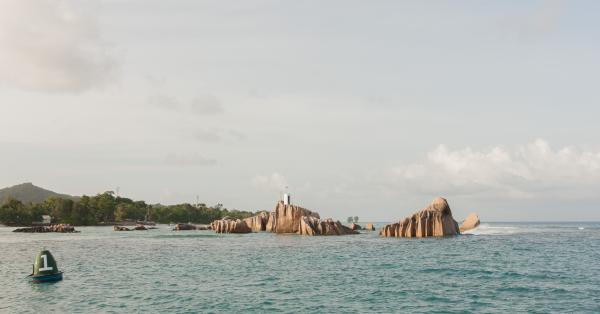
(230, 226)
(370, 227)
(61, 228)
(471, 222)
(120, 228)
(354, 226)
(181, 227)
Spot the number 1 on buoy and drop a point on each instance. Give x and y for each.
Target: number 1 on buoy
(45, 268)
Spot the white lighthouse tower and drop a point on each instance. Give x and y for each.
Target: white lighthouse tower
(286, 197)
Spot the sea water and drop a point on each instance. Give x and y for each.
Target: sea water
(497, 268)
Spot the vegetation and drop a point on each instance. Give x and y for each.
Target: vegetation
(29, 193)
(352, 219)
(107, 208)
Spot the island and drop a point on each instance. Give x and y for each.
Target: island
(284, 219)
(434, 220)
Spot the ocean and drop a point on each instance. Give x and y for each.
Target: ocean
(497, 268)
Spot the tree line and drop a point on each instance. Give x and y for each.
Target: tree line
(106, 208)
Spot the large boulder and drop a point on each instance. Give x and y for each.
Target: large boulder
(230, 226)
(284, 219)
(120, 228)
(287, 218)
(471, 222)
(140, 228)
(309, 226)
(203, 227)
(434, 220)
(61, 228)
(330, 227)
(258, 223)
(354, 226)
(182, 227)
(370, 227)
(313, 226)
(271, 222)
(36, 229)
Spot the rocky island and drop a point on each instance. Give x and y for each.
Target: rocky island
(136, 228)
(60, 228)
(471, 222)
(285, 219)
(434, 220)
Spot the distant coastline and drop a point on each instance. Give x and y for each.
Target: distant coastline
(105, 209)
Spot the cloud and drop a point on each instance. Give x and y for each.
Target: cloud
(528, 171)
(218, 135)
(50, 46)
(164, 102)
(208, 136)
(539, 23)
(206, 105)
(273, 182)
(189, 160)
(200, 105)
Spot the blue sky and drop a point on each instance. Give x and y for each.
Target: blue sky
(361, 108)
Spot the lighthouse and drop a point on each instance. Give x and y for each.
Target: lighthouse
(286, 197)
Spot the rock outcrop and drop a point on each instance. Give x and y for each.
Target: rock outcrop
(354, 226)
(433, 221)
(230, 226)
(185, 227)
(370, 227)
(287, 218)
(284, 219)
(121, 228)
(61, 228)
(313, 226)
(471, 222)
(258, 223)
(136, 228)
(182, 227)
(270, 222)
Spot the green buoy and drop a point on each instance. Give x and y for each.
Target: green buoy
(45, 268)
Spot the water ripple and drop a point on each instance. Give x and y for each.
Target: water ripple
(499, 268)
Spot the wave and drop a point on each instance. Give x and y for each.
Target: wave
(517, 228)
(487, 229)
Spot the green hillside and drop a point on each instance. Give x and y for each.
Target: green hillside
(27, 192)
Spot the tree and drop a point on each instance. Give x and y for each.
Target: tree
(60, 209)
(82, 215)
(355, 219)
(14, 212)
(349, 220)
(106, 208)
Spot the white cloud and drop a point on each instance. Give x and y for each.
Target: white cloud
(206, 105)
(218, 135)
(273, 182)
(208, 136)
(543, 20)
(164, 102)
(51, 46)
(200, 105)
(189, 160)
(532, 170)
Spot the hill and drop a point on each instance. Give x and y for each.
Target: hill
(27, 192)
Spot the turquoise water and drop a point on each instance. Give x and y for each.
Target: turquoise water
(502, 267)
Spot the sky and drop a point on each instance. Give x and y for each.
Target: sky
(360, 108)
